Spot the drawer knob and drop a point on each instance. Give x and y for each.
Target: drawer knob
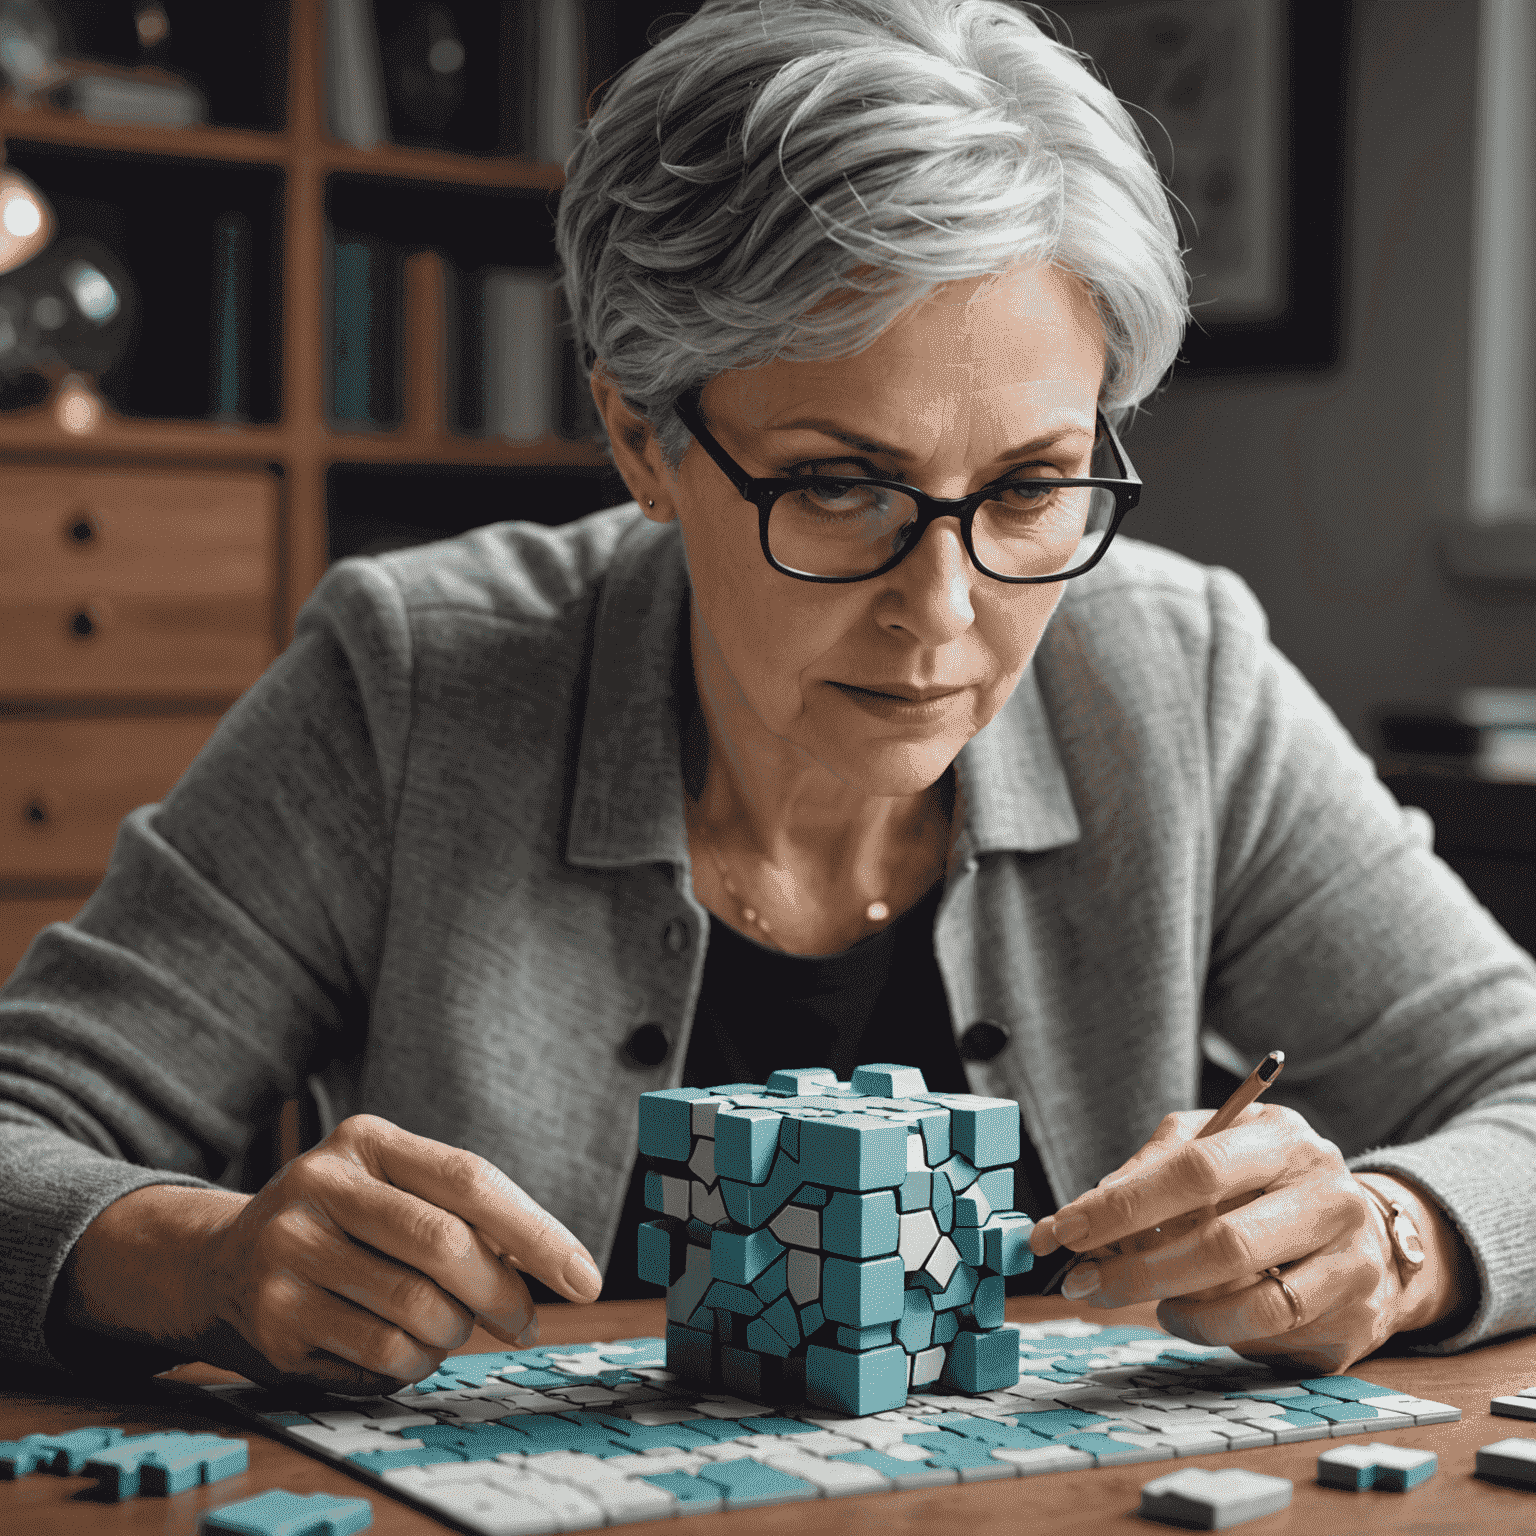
(84, 622)
(35, 812)
(82, 528)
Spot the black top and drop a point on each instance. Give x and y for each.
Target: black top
(760, 1009)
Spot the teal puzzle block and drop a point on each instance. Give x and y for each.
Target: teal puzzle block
(860, 1226)
(755, 1205)
(1394, 1468)
(379, 1462)
(914, 1329)
(942, 1202)
(784, 1321)
(741, 1372)
(961, 1287)
(789, 1137)
(1006, 1242)
(861, 1292)
(738, 1258)
(853, 1151)
(767, 1340)
(748, 1481)
(1345, 1388)
(800, 1081)
(872, 1381)
(66, 1453)
(960, 1172)
(690, 1353)
(687, 1489)
(740, 1299)
(666, 1122)
(883, 1080)
(946, 1450)
(984, 1130)
(864, 1338)
(997, 1185)
(971, 1208)
(917, 1192)
(280, 1513)
(169, 1473)
(686, 1295)
(812, 1194)
(774, 1281)
(987, 1303)
(119, 1468)
(811, 1318)
(982, 1362)
(746, 1144)
(971, 1245)
(663, 1251)
(945, 1326)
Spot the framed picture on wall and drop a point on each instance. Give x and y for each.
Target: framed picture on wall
(1242, 103)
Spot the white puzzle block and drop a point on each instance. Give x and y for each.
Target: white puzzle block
(1509, 1461)
(919, 1235)
(1518, 1406)
(927, 1366)
(942, 1262)
(917, 1161)
(1213, 1501)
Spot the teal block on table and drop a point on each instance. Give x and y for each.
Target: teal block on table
(800, 1081)
(984, 1130)
(690, 1353)
(942, 1203)
(746, 1480)
(945, 1326)
(872, 1381)
(860, 1226)
(666, 1122)
(997, 1185)
(987, 1303)
(886, 1080)
(739, 1258)
(853, 1151)
(917, 1192)
(280, 1513)
(118, 1469)
(686, 1294)
(983, 1362)
(864, 1338)
(380, 1462)
(961, 1287)
(955, 1451)
(1006, 1239)
(960, 1172)
(971, 1245)
(169, 1472)
(662, 1251)
(914, 1328)
(65, 1453)
(971, 1208)
(746, 1144)
(861, 1292)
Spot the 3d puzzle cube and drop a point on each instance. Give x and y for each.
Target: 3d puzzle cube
(841, 1242)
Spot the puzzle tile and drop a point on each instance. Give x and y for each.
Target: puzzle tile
(1213, 1501)
(1377, 1465)
(279, 1513)
(1510, 1461)
(1517, 1406)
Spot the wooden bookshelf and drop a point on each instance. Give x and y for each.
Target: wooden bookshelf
(283, 464)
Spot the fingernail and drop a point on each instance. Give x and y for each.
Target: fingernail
(1081, 1280)
(529, 1336)
(581, 1274)
(1071, 1227)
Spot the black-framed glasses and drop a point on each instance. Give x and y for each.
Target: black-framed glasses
(837, 528)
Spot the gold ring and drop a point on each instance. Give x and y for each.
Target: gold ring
(1297, 1318)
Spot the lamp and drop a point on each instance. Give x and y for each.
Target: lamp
(26, 220)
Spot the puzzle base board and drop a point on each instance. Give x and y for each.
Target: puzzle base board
(571, 1437)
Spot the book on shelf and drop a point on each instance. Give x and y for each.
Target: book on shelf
(231, 320)
(543, 78)
(354, 75)
(365, 332)
(145, 95)
(1487, 732)
(520, 359)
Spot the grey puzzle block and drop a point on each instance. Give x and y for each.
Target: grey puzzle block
(1510, 1461)
(1518, 1406)
(1213, 1501)
(1395, 1468)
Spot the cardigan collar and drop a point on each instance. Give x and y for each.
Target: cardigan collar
(627, 806)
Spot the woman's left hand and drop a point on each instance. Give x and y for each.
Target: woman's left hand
(1266, 1192)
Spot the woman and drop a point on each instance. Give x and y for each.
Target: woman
(778, 765)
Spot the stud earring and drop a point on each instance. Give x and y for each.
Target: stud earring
(650, 503)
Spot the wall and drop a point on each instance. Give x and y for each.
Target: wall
(1322, 489)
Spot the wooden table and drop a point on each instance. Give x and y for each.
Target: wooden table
(1062, 1503)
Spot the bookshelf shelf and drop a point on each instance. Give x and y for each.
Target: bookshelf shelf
(40, 123)
(443, 167)
(37, 433)
(460, 452)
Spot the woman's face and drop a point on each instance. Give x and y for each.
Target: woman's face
(986, 377)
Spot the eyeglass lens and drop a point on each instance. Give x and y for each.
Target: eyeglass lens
(843, 529)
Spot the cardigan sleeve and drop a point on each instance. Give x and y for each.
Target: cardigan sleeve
(1407, 1014)
(228, 951)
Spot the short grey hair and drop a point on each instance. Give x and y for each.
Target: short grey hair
(782, 178)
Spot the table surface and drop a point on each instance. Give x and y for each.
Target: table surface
(1063, 1503)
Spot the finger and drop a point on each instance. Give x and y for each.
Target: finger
(397, 1293)
(426, 1239)
(1255, 1153)
(1278, 1228)
(1313, 1291)
(508, 1220)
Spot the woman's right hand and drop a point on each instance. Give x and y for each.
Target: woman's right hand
(357, 1268)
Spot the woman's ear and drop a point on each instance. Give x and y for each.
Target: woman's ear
(636, 452)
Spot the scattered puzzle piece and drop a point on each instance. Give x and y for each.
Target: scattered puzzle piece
(1520, 1406)
(279, 1513)
(1511, 1461)
(167, 1462)
(64, 1453)
(1395, 1468)
(1213, 1501)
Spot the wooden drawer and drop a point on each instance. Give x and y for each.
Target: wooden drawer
(22, 917)
(65, 785)
(123, 584)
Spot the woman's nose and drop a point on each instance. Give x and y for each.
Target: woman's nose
(933, 585)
